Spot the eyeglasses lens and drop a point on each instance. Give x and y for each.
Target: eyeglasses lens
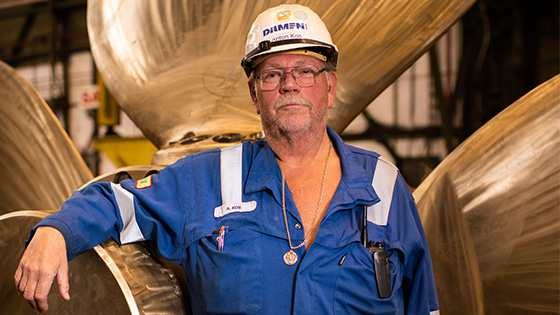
(303, 75)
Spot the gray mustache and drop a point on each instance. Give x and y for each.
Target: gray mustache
(291, 100)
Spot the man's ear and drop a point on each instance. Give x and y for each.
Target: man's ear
(253, 93)
(332, 81)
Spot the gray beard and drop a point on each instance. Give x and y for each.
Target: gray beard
(288, 127)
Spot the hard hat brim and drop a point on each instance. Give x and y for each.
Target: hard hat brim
(267, 48)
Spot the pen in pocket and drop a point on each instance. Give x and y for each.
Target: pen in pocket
(221, 237)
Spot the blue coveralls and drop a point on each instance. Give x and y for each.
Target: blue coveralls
(180, 211)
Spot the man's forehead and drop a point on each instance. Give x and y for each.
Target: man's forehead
(292, 59)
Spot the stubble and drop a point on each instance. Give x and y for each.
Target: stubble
(293, 120)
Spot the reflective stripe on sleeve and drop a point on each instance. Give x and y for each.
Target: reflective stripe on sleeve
(434, 312)
(125, 201)
(384, 183)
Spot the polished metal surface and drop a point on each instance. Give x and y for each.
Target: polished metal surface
(491, 212)
(40, 166)
(109, 279)
(174, 66)
(91, 283)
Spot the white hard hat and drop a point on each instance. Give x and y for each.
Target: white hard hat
(286, 28)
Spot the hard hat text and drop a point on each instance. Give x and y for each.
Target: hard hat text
(285, 26)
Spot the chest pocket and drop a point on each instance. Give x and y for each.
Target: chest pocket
(229, 273)
(230, 281)
(356, 289)
(357, 276)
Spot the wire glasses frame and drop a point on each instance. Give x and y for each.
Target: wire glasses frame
(303, 75)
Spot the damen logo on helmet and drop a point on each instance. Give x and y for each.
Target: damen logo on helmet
(283, 27)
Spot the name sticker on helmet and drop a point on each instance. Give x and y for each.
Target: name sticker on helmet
(286, 36)
(283, 27)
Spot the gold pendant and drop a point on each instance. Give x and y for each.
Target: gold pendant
(290, 257)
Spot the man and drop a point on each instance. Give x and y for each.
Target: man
(270, 227)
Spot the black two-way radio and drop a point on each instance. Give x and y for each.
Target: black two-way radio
(381, 265)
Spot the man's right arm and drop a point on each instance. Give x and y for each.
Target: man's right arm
(125, 212)
(44, 259)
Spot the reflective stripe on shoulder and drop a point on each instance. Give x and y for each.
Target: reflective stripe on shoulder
(125, 201)
(231, 178)
(384, 180)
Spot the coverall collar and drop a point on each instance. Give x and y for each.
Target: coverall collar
(354, 188)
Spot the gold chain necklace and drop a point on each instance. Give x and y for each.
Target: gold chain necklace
(290, 257)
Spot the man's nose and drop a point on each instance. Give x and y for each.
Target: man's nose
(289, 83)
